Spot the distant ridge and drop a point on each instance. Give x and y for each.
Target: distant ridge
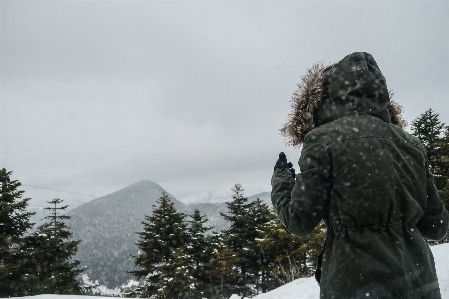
(143, 193)
(265, 197)
(108, 226)
(221, 197)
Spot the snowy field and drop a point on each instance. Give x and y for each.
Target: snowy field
(307, 288)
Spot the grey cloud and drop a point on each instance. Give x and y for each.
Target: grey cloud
(96, 95)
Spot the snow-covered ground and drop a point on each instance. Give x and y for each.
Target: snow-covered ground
(100, 290)
(441, 254)
(303, 288)
(307, 288)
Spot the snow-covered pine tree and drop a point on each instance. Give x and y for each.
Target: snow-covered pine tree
(199, 249)
(444, 169)
(429, 130)
(442, 175)
(178, 281)
(222, 271)
(240, 236)
(287, 256)
(270, 239)
(51, 269)
(14, 225)
(164, 233)
(312, 244)
(259, 214)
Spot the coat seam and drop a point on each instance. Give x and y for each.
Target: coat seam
(372, 136)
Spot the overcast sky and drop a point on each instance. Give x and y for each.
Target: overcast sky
(96, 95)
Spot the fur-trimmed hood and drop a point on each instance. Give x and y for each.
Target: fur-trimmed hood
(353, 86)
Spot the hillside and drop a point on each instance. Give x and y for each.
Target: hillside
(107, 227)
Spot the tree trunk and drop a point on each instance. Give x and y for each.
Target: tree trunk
(221, 285)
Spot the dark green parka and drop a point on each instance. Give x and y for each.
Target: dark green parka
(367, 178)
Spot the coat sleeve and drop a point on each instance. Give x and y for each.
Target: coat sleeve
(434, 222)
(301, 202)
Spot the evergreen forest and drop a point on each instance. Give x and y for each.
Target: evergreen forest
(34, 260)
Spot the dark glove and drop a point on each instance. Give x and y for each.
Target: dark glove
(282, 163)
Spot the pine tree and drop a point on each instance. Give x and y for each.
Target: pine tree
(443, 181)
(164, 234)
(199, 249)
(14, 225)
(259, 214)
(222, 271)
(428, 128)
(270, 235)
(239, 236)
(178, 280)
(51, 268)
(287, 256)
(312, 246)
(443, 175)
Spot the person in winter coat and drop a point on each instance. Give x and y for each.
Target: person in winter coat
(369, 181)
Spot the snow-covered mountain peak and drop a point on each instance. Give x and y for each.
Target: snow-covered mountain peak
(208, 197)
(220, 197)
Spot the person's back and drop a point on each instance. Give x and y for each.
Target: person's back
(369, 180)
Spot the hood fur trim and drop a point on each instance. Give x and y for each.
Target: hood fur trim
(305, 101)
(395, 111)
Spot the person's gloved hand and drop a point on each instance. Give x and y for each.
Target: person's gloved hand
(282, 163)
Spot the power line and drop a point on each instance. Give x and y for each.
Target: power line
(60, 190)
(110, 215)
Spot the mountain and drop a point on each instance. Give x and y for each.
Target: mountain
(107, 227)
(265, 197)
(213, 209)
(37, 218)
(208, 197)
(217, 197)
(212, 212)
